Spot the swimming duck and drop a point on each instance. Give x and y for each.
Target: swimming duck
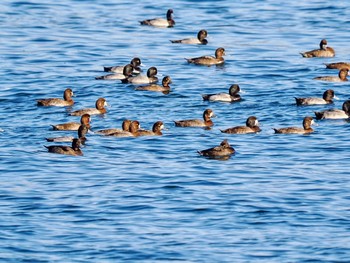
(66, 101)
(156, 130)
(327, 98)
(82, 131)
(231, 96)
(142, 79)
(100, 105)
(135, 62)
(342, 76)
(127, 72)
(307, 122)
(161, 22)
(323, 51)
(74, 150)
(200, 40)
(206, 122)
(221, 151)
(344, 113)
(252, 126)
(133, 131)
(338, 65)
(73, 126)
(165, 88)
(209, 60)
(125, 127)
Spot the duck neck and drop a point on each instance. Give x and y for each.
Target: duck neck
(67, 96)
(307, 126)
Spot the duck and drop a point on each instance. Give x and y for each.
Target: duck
(342, 76)
(160, 22)
(66, 101)
(73, 126)
(206, 122)
(224, 150)
(67, 150)
(100, 105)
(209, 60)
(127, 72)
(133, 130)
(338, 65)
(142, 79)
(327, 98)
(125, 127)
(344, 113)
(200, 40)
(323, 51)
(135, 62)
(231, 96)
(156, 130)
(165, 88)
(307, 122)
(82, 131)
(252, 126)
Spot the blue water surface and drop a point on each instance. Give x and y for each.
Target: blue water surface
(280, 198)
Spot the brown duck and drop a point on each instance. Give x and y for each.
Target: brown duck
(342, 76)
(156, 130)
(252, 126)
(209, 60)
(307, 122)
(125, 127)
(165, 88)
(73, 126)
(67, 150)
(323, 51)
(206, 122)
(99, 109)
(224, 150)
(66, 101)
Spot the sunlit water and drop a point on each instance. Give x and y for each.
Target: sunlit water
(280, 198)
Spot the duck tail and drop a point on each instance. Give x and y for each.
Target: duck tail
(40, 103)
(276, 130)
(205, 96)
(107, 69)
(319, 115)
(330, 66)
(298, 101)
(175, 41)
(306, 55)
(145, 22)
(100, 77)
(124, 80)
(178, 124)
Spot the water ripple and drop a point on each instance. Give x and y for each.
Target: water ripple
(280, 198)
